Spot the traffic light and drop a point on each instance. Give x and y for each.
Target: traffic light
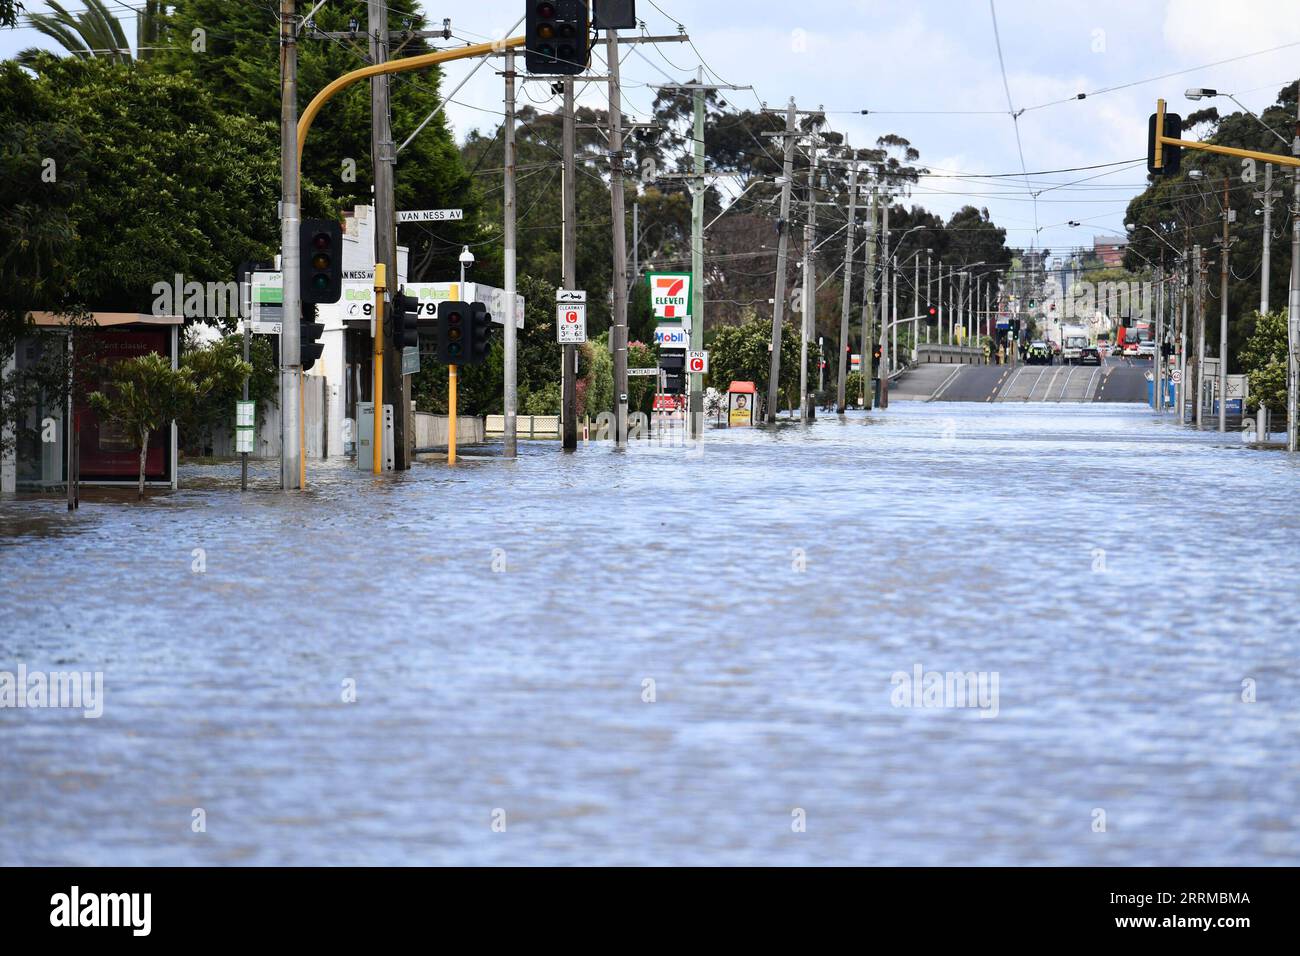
(453, 327)
(406, 333)
(1171, 157)
(556, 37)
(320, 260)
(932, 314)
(477, 331)
(309, 330)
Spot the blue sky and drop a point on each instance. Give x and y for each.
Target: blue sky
(904, 60)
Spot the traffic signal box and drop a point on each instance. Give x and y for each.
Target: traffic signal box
(463, 333)
(309, 331)
(556, 37)
(320, 261)
(406, 332)
(932, 315)
(1169, 160)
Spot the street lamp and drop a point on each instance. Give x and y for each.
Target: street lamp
(466, 261)
(1201, 92)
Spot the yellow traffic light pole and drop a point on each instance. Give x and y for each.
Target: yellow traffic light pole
(304, 126)
(394, 66)
(451, 414)
(377, 428)
(1162, 140)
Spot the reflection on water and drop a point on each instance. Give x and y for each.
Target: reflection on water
(1122, 578)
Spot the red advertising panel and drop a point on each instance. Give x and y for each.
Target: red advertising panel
(108, 451)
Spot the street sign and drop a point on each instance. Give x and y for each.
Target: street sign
(672, 337)
(570, 319)
(266, 312)
(431, 215)
(411, 360)
(697, 362)
(570, 295)
(652, 370)
(1176, 376)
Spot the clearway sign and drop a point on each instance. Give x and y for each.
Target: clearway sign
(670, 296)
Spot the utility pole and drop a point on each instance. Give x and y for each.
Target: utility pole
(782, 252)
(396, 386)
(848, 287)
(1267, 197)
(809, 314)
(291, 308)
(1157, 358)
(869, 305)
(1293, 305)
(916, 302)
(696, 387)
(1223, 314)
(883, 372)
(1198, 313)
(510, 336)
(619, 331)
(569, 374)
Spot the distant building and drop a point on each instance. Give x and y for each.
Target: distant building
(1109, 251)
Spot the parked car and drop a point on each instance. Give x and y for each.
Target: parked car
(1146, 347)
(1038, 353)
(1089, 355)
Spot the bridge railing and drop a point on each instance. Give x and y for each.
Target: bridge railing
(950, 355)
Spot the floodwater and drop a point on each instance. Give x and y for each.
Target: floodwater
(1129, 585)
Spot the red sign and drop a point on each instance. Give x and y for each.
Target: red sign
(107, 450)
(669, 403)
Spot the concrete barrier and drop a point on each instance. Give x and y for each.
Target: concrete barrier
(431, 430)
(950, 355)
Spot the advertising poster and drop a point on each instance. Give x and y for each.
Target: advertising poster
(108, 452)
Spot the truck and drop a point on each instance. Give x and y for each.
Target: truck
(1074, 339)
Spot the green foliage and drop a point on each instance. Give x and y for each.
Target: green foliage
(640, 388)
(595, 378)
(143, 395)
(740, 353)
(218, 371)
(240, 69)
(95, 32)
(174, 183)
(1264, 359)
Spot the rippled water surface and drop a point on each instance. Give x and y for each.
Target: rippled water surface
(1122, 578)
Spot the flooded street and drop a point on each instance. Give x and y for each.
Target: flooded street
(663, 656)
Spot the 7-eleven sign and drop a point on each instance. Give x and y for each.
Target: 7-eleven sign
(670, 296)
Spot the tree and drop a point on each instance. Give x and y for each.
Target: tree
(8, 13)
(144, 394)
(741, 353)
(218, 372)
(1263, 357)
(235, 57)
(95, 32)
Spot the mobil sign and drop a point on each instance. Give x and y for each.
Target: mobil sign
(672, 337)
(670, 296)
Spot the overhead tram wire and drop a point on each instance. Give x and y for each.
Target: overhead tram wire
(1015, 118)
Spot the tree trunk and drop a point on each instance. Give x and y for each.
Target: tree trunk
(144, 450)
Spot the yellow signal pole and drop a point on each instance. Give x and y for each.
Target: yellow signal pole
(394, 66)
(1162, 140)
(304, 126)
(451, 414)
(377, 429)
